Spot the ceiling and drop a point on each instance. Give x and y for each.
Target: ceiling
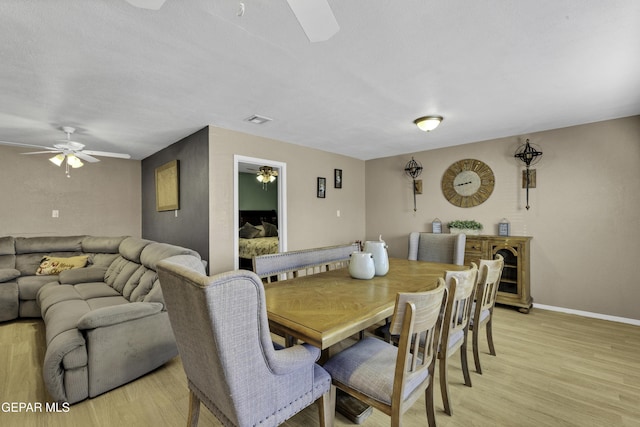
(135, 81)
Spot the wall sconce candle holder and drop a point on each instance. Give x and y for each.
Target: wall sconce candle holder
(530, 155)
(413, 169)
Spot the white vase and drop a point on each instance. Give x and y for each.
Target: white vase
(361, 265)
(380, 256)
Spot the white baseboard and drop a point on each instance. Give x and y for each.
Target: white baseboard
(588, 314)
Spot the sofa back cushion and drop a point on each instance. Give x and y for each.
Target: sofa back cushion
(29, 245)
(101, 245)
(133, 272)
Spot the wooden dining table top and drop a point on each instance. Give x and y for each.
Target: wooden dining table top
(325, 308)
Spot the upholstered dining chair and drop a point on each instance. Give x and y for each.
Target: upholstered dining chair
(392, 378)
(445, 248)
(221, 329)
(455, 326)
(489, 274)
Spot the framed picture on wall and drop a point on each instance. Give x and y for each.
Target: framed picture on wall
(167, 187)
(337, 178)
(322, 187)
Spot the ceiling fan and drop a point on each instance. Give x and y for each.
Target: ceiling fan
(315, 16)
(70, 152)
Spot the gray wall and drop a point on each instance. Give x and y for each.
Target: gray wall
(190, 227)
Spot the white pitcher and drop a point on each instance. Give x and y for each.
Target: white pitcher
(361, 265)
(380, 256)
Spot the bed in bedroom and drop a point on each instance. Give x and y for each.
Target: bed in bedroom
(258, 235)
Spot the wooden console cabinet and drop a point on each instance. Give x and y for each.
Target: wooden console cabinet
(514, 286)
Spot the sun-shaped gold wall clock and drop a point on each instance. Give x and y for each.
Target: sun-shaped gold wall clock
(467, 183)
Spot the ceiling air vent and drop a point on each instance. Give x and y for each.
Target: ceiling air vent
(258, 120)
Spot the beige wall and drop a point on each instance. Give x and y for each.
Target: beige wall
(100, 198)
(311, 222)
(584, 212)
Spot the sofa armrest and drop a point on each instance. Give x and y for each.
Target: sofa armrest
(82, 275)
(107, 316)
(7, 274)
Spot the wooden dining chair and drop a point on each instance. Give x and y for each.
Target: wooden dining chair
(392, 378)
(490, 272)
(455, 326)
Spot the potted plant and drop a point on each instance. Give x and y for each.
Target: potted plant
(466, 227)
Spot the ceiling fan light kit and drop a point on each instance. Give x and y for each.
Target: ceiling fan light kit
(428, 123)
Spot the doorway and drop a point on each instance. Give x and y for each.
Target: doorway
(244, 164)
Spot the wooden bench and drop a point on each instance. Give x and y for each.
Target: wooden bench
(287, 265)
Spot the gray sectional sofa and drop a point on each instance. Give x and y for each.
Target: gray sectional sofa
(106, 323)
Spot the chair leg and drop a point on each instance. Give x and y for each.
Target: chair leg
(444, 386)
(431, 411)
(327, 407)
(492, 349)
(194, 410)
(476, 350)
(465, 365)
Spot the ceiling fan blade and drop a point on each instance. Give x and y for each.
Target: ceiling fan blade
(147, 4)
(106, 154)
(315, 18)
(43, 152)
(85, 156)
(19, 144)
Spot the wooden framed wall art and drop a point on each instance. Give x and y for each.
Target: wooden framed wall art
(167, 187)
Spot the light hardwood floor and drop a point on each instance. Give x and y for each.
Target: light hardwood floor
(552, 369)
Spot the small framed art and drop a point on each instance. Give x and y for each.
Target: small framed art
(322, 187)
(337, 178)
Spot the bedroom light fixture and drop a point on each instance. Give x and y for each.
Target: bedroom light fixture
(428, 123)
(265, 175)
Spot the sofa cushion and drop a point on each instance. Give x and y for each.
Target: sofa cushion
(7, 274)
(7, 245)
(30, 285)
(88, 291)
(156, 252)
(96, 244)
(7, 261)
(55, 265)
(144, 286)
(119, 273)
(63, 316)
(102, 260)
(9, 305)
(29, 263)
(51, 295)
(131, 248)
(96, 303)
(29, 245)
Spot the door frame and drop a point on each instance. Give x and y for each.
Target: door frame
(282, 199)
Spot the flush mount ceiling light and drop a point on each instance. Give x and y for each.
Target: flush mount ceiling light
(428, 123)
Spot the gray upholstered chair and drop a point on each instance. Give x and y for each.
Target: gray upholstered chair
(446, 248)
(489, 274)
(221, 328)
(455, 326)
(392, 378)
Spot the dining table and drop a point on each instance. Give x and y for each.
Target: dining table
(325, 308)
